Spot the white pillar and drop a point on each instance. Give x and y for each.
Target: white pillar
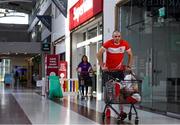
(99, 79)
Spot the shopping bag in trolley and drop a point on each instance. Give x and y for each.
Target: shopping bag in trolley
(130, 86)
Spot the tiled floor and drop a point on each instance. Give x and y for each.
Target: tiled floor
(11, 112)
(28, 107)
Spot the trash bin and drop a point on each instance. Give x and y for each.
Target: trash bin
(55, 90)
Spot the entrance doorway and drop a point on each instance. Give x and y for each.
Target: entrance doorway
(90, 51)
(155, 42)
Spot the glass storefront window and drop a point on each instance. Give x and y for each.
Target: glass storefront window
(143, 27)
(84, 36)
(100, 29)
(92, 33)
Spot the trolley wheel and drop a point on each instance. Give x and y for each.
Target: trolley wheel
(136, 121)
(130, 116)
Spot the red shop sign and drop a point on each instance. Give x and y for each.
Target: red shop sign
(63, 69)
(83, 10)
(52, 64)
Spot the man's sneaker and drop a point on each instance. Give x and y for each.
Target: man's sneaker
(123, 116)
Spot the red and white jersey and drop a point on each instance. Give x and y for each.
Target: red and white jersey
(115, 53)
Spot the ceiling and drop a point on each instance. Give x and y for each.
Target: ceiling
(24, 6)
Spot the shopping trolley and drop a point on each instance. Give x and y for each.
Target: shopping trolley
(121, 92)
(84, 80)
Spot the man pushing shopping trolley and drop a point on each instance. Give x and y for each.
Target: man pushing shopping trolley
(113, 70)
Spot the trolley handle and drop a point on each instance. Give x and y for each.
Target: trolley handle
(133, 80)
(133, 74)
(128, 72)
(110, 76)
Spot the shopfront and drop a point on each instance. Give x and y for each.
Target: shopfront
(86, 34)
(153, 30)
(59, 47)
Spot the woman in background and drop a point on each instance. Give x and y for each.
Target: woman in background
(84, 68)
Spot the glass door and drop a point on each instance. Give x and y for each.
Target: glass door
(166, 74)
(149, 37)
(173, 69)
(93, 60)
(139, 34)
(155, 43)
(160, 31)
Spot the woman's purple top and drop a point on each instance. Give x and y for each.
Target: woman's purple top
(84, 68)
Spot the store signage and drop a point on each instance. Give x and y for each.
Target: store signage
(63, 69)
(83, 10)
(52, 64)
(45, 46)
(162, 12)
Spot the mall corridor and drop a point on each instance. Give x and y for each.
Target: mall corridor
(43, 44)
(25, 106)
